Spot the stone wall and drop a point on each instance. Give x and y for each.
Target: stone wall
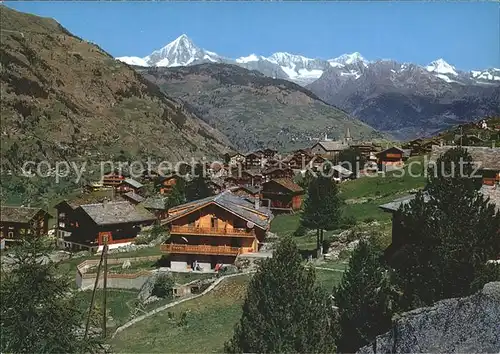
(460, 325)
(136, 280)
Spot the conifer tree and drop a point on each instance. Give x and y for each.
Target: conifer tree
(198, 187)
(284, 310)
(365, 299)
(38, 313)
(322, 207)
(177, 195)
(448, 236)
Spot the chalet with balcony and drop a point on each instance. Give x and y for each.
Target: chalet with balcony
(86, 225)
(269, 153)
(284, 195)
(235, 159)
(390, 158)
(214, 230)
(486, 159)
(254, 159)
(17, 222)
(129, 185)
(113, 179)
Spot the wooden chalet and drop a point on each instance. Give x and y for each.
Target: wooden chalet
(235, 159)
(217, 185)
(277, 172)
(250, 177)
(364, 148)
(269, 153)
(113, 179)
(129, 185)
(85, 226)
(167, 183)
(487, 159)
(284, 195)
(214, 230)
(392, 157)
(17, 222)
(254, 159)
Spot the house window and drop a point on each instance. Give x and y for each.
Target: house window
(213, 222)
(11, 234)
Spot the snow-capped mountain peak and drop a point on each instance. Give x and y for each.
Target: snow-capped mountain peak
(440, 66)
(248, 59)
(348, 59)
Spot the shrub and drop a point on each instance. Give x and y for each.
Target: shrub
(368, 220)
(163, 286)
(348, 222)
(301, 231)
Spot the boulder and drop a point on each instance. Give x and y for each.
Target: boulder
(460, 325)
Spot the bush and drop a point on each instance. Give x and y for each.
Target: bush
(348, 222)
(301, 231)
(163, 287)
(368, 220)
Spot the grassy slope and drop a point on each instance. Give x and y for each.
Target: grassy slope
(254, 110)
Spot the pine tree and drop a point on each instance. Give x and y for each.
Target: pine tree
(198, 187)
(322, 207)
(352, 160)
(177, 195)
(284, 310)
(448, 236)
(38, 313)
(365, 299)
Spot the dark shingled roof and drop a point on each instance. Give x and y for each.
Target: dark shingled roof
(287, 183)
(249, 189)
(227, 200)
(117, 213)
(156, 203)
(488, 158)
(333, 145)
(18, 214)
(133, 183)
(134, 196)
(91, 199)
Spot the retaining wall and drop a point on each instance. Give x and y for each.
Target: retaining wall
(136, 280)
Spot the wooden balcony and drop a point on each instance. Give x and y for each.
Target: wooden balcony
(210, 231)
(201, 249)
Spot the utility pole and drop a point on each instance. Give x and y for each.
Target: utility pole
(105, 283)
(93, 296)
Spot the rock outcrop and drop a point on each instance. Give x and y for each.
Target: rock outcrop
(460, 325)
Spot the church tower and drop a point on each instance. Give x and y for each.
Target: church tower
(347, 137)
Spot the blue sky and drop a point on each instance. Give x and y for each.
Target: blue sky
(466, 34)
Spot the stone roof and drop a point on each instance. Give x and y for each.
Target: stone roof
(92, 199)
(492, 192)
(117, 213)
(134, 196)
(333, 145)
(227, 200)
(156, 203)
(488, 158)
(342, 170)
(18, 214)
(250, 189)
(133, 183)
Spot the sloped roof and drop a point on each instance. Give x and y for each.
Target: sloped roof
(492, 192)
(250, 189)
(116, 213)
(91, 199)
(18, 214)
(342, 170)
(333, 145)
(133, 183)
(391, 148)
(156, 203)
(488, 158)
(274, 169)
(134, 196)
(287, 183)
(226, 200)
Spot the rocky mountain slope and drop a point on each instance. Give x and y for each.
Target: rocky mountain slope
(407, 100)
(252, 110)
(461, 325)
(65, 98)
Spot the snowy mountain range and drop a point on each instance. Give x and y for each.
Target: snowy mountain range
(300, 69)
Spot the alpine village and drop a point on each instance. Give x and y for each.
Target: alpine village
(281, 222)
